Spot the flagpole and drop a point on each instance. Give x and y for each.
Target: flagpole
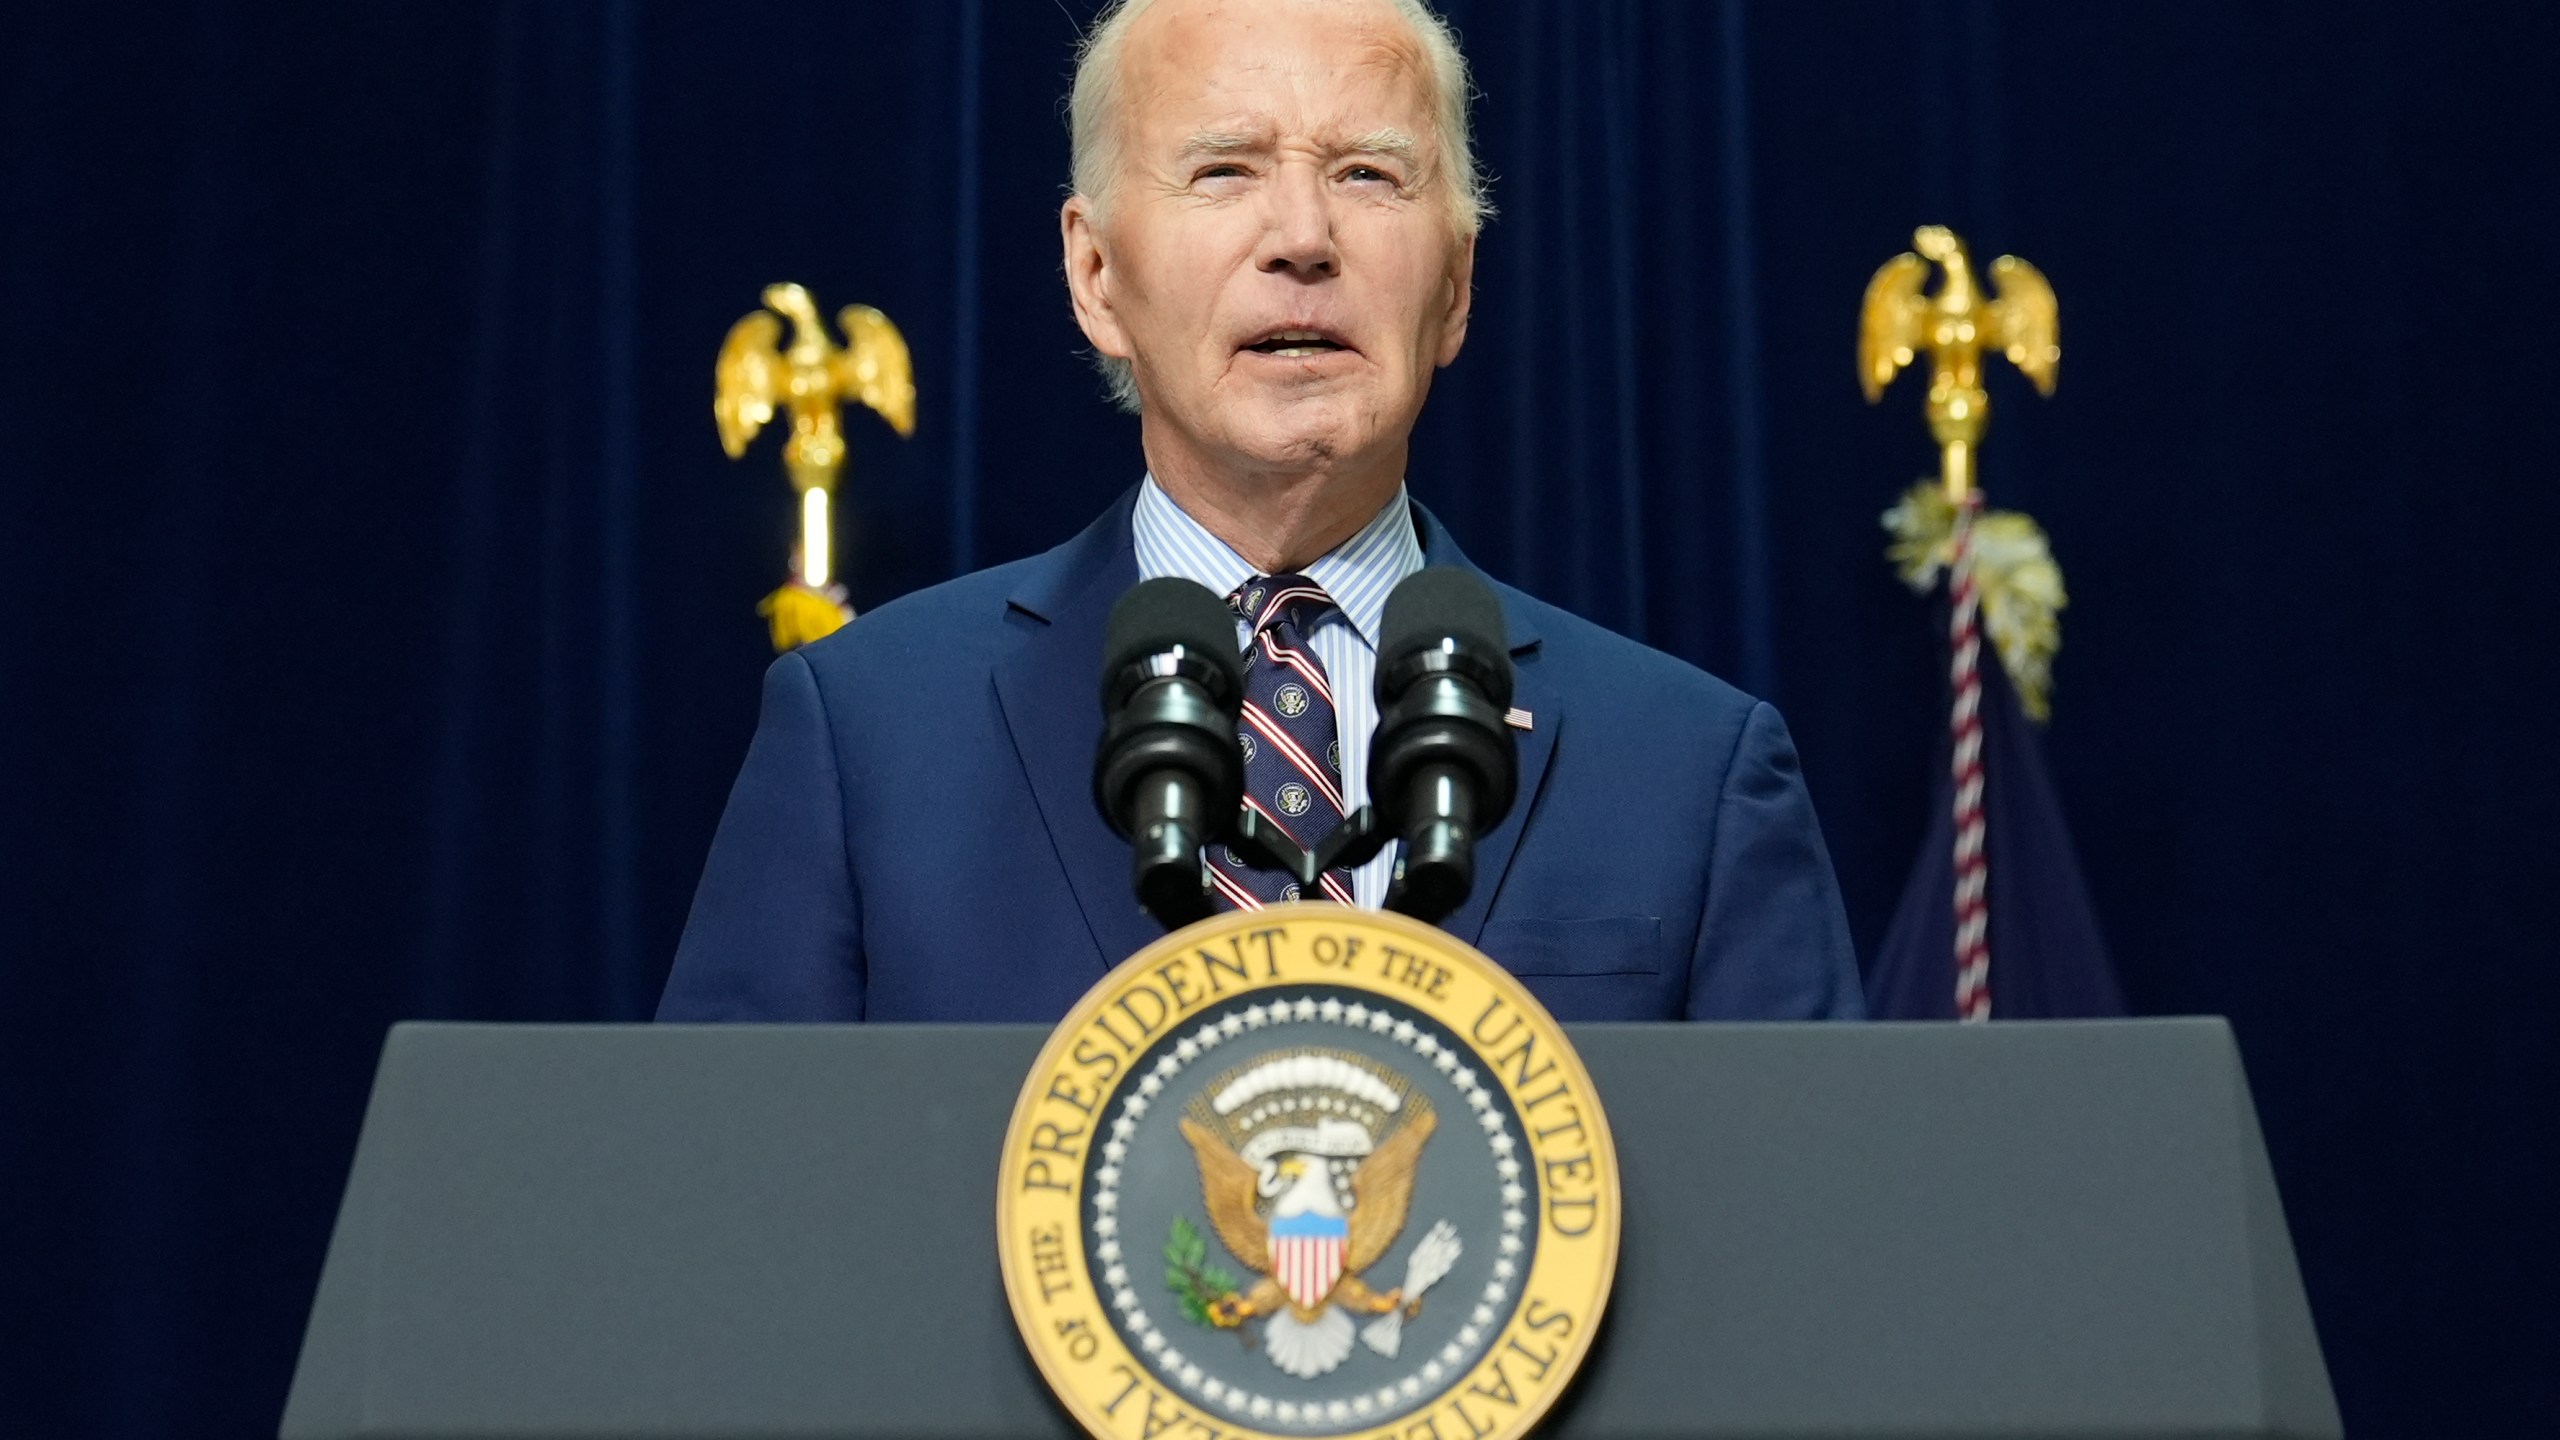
(1897, 325)
(1959, 411)
(1972, 858)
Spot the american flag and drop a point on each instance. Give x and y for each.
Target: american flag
(1306, 1255)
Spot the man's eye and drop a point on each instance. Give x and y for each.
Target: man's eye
(1219, 172)
(1366, 173)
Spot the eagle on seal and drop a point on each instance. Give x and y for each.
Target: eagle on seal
(1314, 1195)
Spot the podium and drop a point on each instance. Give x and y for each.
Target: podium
(2051, 1230)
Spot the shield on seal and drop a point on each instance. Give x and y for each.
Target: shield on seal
(1306, 1255)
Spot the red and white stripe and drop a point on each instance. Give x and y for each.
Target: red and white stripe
(1236, 894)
(1272, 602)
(1317, 772)
(1319, 776)
(1972, 862)
(1308, 667)
(1307, 1266)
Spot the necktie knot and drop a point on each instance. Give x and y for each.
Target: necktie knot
(1295, 600)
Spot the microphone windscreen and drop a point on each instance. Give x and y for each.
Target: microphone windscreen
(1157, 615)
(1443, 602)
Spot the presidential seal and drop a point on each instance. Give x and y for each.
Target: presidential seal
(1308, 1171)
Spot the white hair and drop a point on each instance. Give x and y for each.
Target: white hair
(1094, 136)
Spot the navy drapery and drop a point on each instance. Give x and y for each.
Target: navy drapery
(377, 639)
(2048, 949)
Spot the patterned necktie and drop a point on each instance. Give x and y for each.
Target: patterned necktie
(1292, 754)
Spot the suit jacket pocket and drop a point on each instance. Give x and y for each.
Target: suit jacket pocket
(1616, 945)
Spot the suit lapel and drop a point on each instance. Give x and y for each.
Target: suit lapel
(1047, 686)
(1537, 744)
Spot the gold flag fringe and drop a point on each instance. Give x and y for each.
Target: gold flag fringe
(2021, 586)
(799, 614)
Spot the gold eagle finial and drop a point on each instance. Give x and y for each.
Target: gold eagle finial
(2021, 588)
(811, 378)
(1899, 323)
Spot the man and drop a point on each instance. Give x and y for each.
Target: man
(1270, 246)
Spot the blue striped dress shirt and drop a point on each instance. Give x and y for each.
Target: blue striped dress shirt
(1358, 573)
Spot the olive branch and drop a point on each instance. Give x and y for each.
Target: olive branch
(1189, 1275)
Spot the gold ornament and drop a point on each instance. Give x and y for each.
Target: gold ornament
(2013, 566)
(2013, 570)
(812, 379)
(1898, 323)
(1308, 1173)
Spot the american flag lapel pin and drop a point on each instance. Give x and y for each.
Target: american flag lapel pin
(1519, 719)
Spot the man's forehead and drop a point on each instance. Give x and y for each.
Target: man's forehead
(1335, 71)
(1256, 137)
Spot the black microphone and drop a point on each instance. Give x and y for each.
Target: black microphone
(1170, 776)
(1443, 766)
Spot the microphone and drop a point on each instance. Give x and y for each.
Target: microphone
(1170, 776)
(1443, 766)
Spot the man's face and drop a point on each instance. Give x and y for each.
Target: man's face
(1278, 257)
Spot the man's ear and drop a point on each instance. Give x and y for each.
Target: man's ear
(1462, 299)
(1089, 278)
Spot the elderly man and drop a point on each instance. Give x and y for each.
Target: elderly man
(1271, 246)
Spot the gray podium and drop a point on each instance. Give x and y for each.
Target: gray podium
(2026, 1230)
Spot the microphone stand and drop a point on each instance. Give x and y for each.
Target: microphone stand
(1261, 844)
(1448, 876)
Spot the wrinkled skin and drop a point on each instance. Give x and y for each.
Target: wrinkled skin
(1279, 171)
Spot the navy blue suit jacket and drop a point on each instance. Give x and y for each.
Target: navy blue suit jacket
(914, 837)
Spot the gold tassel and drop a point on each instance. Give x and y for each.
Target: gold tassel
(2013, 566)
(799, 615)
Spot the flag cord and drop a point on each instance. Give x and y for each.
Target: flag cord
(1972, 863)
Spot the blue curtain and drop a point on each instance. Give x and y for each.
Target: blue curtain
(377, 637)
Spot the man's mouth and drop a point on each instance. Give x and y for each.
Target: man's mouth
(1297, 344)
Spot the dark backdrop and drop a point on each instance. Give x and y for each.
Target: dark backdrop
(377, 632)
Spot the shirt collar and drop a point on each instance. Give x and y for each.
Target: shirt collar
(1357, 573)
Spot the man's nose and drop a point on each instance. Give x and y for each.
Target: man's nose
(1299, 235)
